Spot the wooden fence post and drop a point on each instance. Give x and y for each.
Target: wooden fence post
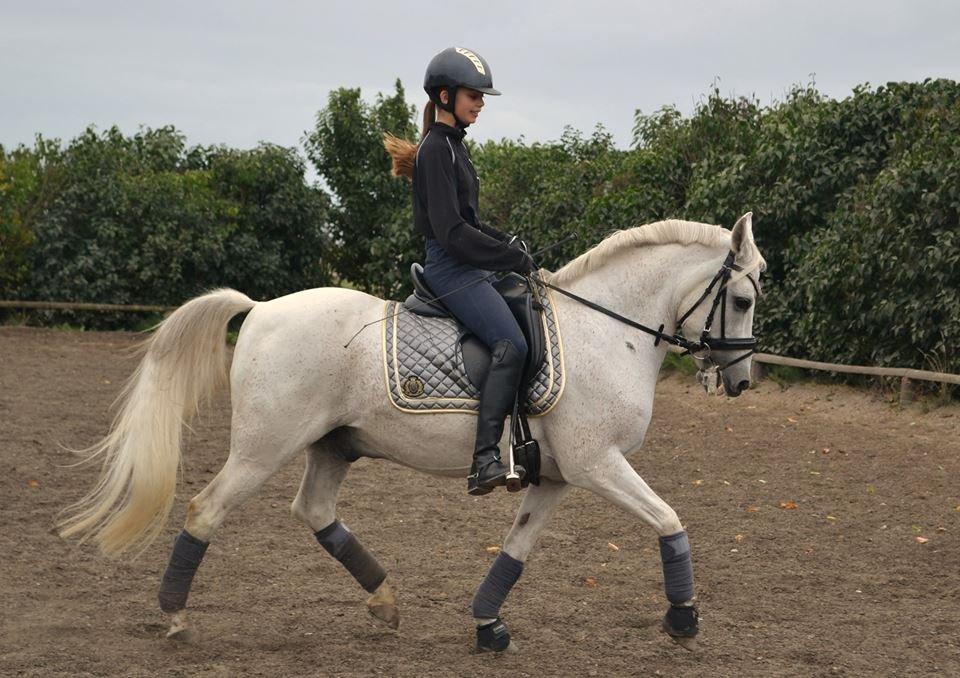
(906, 391)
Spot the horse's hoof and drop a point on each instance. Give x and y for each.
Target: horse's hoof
(510, 649)
(388, 614)
(686, 643)
(179, 629)
(682, 623)
(383, 606)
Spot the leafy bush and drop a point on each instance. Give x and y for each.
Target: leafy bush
(880, 283)
(856, 204)
(371, 220)
(28, 181)
(546, 192)
(142, 219)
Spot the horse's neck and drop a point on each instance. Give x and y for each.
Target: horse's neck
(645, 284)
(609, 357)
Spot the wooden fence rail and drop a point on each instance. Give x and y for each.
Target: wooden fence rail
(77, 306)
(901, 372)
(904, 373)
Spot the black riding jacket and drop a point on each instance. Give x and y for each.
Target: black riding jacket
(445, 192)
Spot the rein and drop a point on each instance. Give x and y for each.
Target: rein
(705, 345)
(705, 342)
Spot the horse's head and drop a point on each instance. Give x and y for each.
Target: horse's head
(721, 318)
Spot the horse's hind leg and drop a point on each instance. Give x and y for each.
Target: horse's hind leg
(535, 511)
(315, 505)
(254, 457)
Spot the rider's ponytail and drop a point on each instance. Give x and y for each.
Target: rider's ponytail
(429, 117)
(402, 151)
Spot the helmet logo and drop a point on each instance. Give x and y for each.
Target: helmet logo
(473, 58)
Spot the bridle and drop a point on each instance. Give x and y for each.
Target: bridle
(710, 344)
(703, 348)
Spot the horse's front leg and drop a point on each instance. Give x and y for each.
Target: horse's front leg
(612, 477)
(535, 510)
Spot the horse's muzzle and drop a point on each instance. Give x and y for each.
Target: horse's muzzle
(734, 391)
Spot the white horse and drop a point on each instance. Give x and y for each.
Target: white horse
(290, 398)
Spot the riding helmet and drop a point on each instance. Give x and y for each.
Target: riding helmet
(453, 68)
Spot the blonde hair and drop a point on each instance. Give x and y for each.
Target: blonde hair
(404, 152)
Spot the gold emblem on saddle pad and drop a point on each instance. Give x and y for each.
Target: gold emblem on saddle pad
(412, 387)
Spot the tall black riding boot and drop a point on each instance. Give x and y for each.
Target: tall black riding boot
(496, 400)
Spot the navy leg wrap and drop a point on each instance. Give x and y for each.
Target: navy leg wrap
(503, 574)
(187, 553)
(677, 567)
(340, 543)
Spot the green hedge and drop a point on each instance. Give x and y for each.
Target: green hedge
(371, 220)
(879, 283)
(144, 219)
(855, 207)
(855, 203)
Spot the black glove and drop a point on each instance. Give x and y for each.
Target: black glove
(527, 266)
(515, 241)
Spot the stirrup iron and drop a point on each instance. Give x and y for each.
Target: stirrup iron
(515, 472)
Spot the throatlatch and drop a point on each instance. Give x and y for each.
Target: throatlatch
(340, 543)
(187, 553)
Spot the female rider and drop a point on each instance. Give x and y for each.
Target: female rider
(462, 250)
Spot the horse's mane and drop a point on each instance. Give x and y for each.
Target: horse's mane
(658, 233)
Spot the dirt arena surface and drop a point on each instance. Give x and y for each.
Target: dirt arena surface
(806, 509)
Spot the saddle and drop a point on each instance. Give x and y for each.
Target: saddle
(516, 291)
(475, 356)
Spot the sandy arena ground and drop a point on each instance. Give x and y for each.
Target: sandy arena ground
(825, 526)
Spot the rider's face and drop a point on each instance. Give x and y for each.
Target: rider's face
(468, 104)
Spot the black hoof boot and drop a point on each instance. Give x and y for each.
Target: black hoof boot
(682, 623)
(493, 637)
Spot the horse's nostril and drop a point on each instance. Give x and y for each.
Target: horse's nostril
(734, 391)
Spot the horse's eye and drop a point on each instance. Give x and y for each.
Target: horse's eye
(742, 303)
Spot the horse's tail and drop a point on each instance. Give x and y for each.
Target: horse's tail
(184, 361)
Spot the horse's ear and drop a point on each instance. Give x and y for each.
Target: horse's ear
(742, 231)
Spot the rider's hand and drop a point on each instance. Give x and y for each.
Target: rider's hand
(527, 266)
(515, 241)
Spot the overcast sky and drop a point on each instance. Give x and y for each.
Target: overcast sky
(240, 72)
